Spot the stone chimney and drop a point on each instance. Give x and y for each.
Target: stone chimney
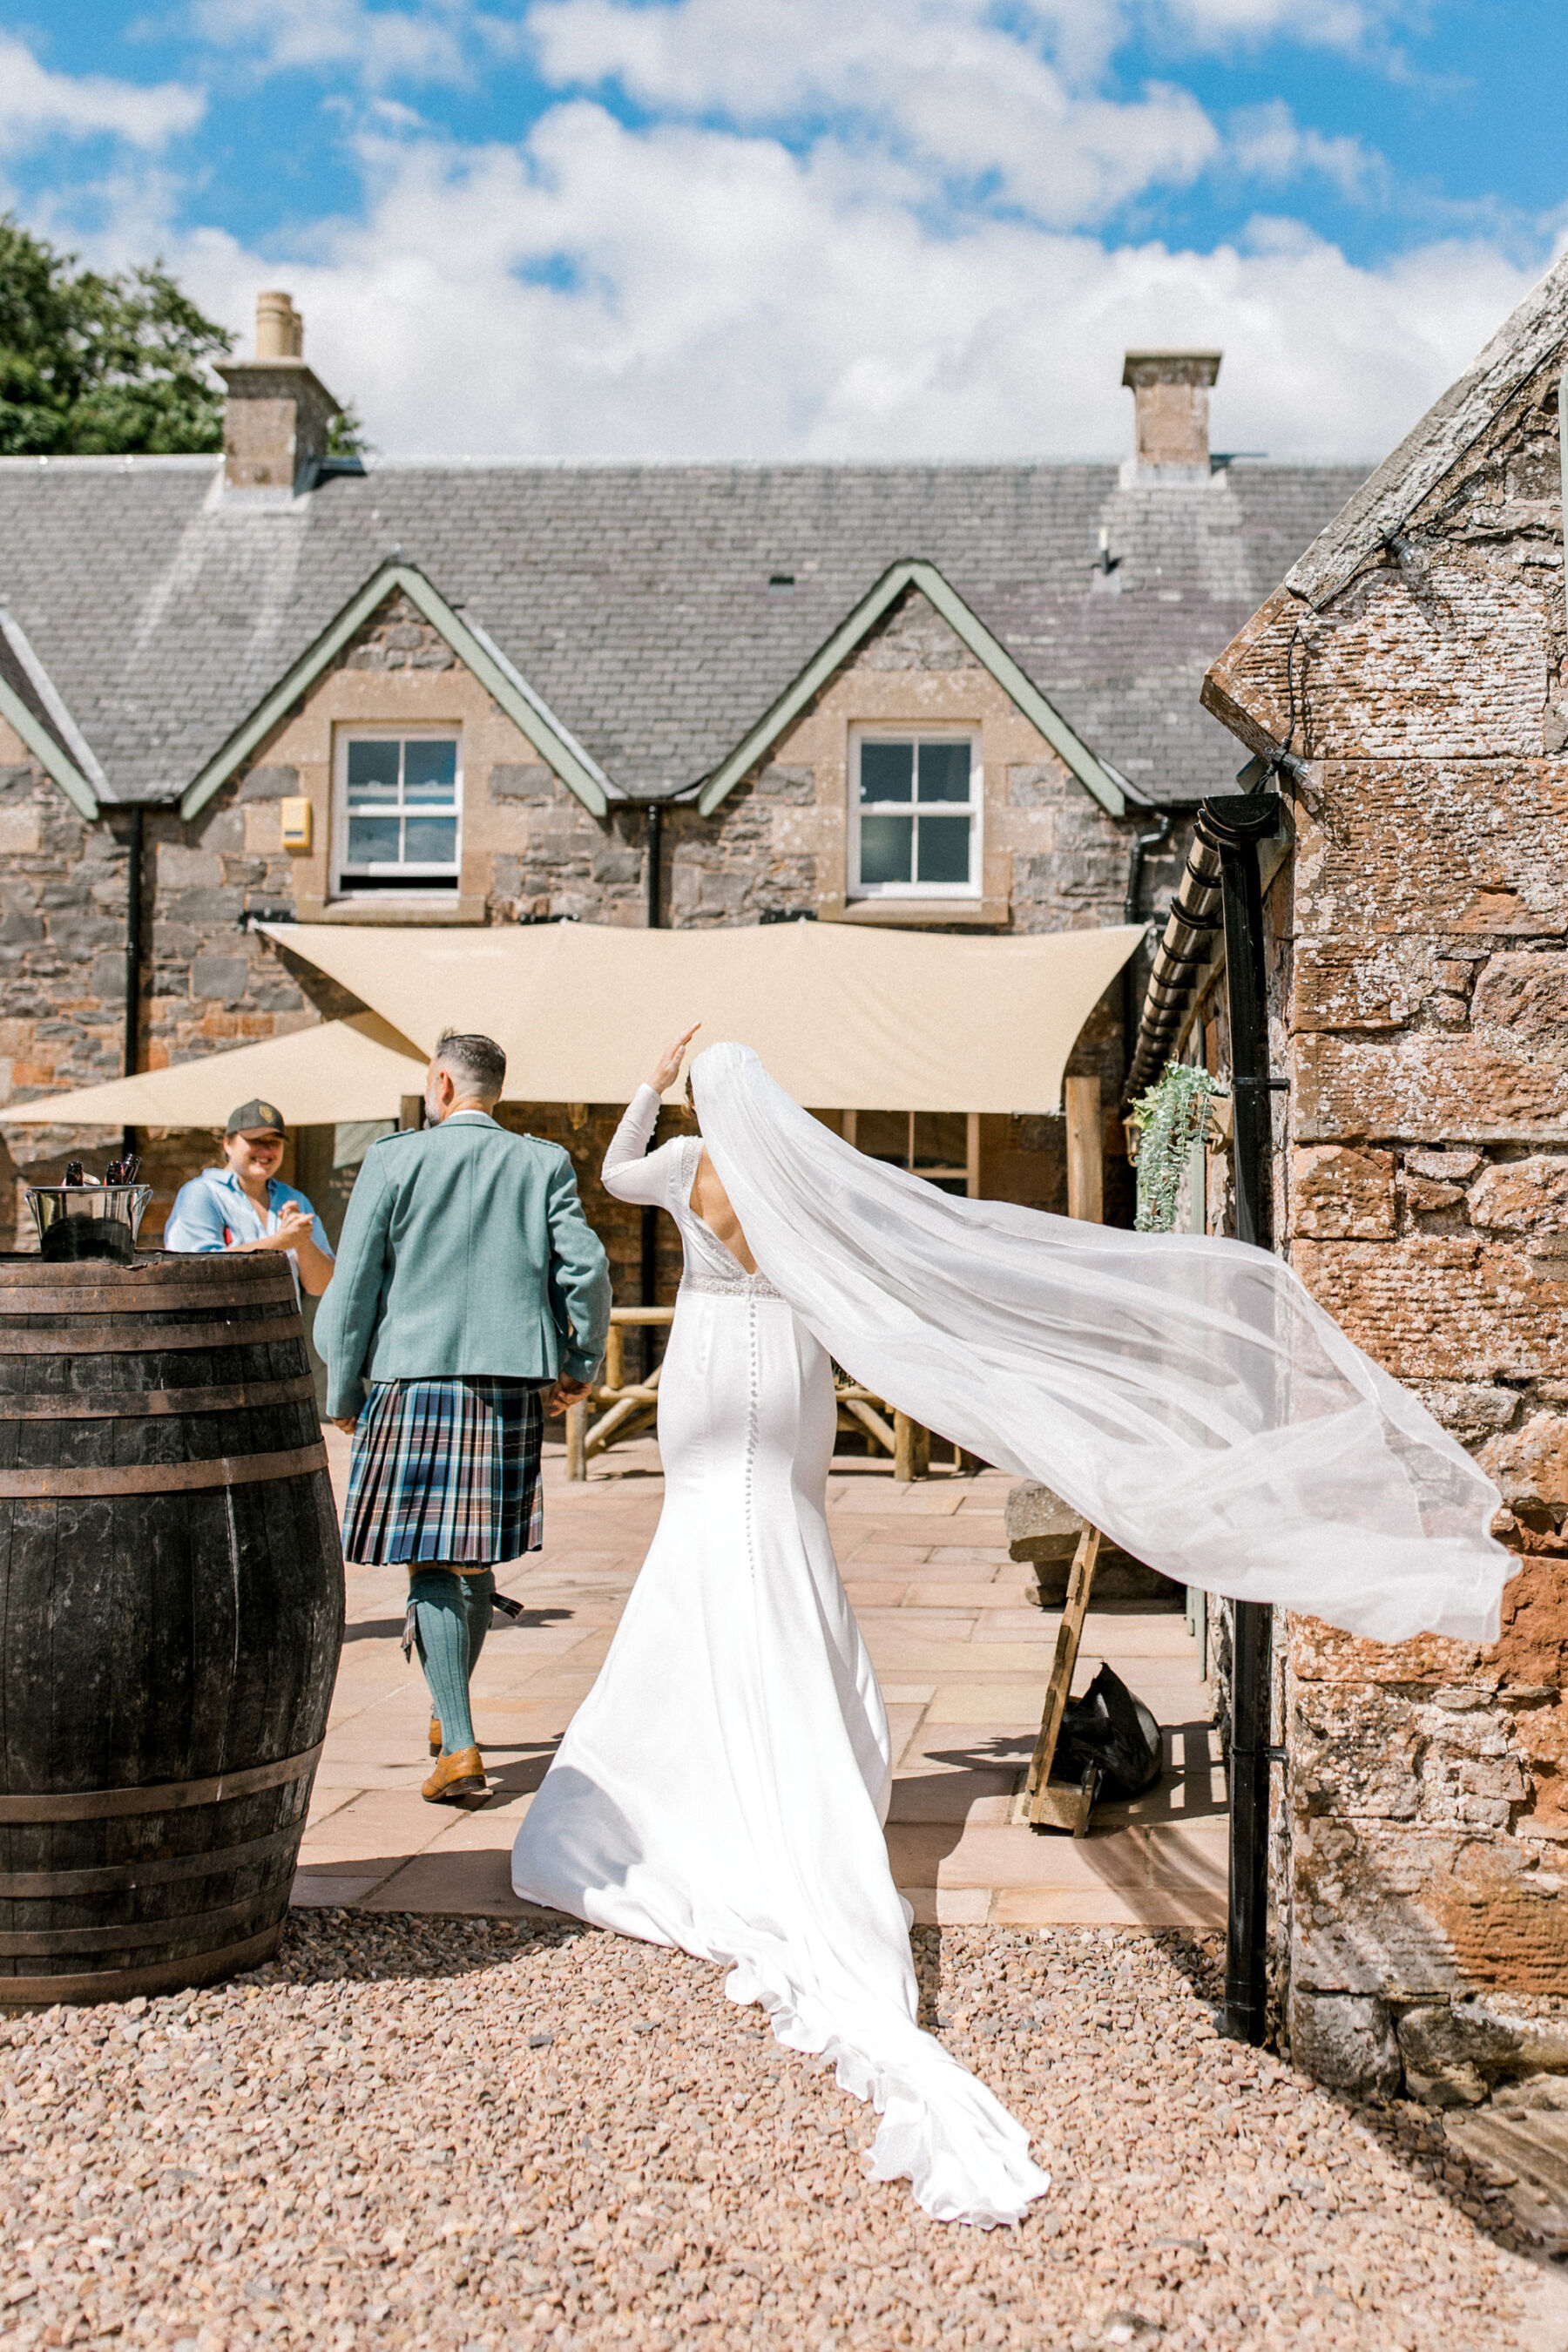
(1171, 396)
(278, 415)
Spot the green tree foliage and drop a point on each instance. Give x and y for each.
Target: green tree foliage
(345, 435)
(97, 366)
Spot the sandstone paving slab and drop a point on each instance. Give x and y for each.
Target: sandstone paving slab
(462, 1884)
(875, 1495)
(950, 1906)
(954, 1797)
(330, 1891)
(913, 1652)
(866, 1595)
(1131, 1906)
(929, 1853)
(502, 2134)
(972, 1555)
(1004, 1701)
(878, 1553)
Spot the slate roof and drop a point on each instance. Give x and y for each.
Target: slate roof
(636, 599)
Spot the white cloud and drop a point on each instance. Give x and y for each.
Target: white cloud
(686, 291)
(1322, 23)
(35, 104)
(1266, 142)
(940, 81)
(432, 41)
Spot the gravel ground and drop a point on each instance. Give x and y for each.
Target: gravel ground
(461, 2134)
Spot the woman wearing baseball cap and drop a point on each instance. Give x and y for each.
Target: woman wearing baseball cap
(244, 1206)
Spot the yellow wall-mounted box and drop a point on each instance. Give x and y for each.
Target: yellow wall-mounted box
(295, 823)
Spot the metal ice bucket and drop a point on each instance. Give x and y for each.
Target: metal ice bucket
(78, 1221)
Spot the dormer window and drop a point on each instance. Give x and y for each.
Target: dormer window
(398, 808)
(915, 804)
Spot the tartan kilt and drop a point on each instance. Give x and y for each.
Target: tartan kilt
(446, 1470)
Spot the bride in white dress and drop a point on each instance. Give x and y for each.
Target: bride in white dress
(723, 1785)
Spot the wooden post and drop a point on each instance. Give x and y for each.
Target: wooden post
(1086, 1151)
(616, 1357)
(577, 1439)
(911, 1449)
(972, 1155)
(410, 1112)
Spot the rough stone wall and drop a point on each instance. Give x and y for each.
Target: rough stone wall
(1425, 1202)
(210, 985)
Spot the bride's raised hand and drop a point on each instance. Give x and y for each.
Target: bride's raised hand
(668, 1066)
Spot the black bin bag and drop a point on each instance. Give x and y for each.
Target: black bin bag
(1113, 1732)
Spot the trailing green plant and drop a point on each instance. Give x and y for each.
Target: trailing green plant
(1169, 1118)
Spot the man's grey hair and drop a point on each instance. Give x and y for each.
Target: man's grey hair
(477, 1064)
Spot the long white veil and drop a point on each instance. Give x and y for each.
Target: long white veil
(1184, 1393)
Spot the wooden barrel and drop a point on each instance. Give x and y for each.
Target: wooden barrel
(171, 1614)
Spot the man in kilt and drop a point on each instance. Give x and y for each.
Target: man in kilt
(472, 1296)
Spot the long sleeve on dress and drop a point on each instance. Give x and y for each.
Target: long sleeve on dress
(627, 1172)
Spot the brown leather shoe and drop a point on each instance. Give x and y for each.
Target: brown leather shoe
(462, 1775)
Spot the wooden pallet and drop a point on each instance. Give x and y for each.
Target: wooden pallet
(1037, 1802)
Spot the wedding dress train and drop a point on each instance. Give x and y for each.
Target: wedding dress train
(723, 1786)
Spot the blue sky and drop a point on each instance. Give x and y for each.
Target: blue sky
(801, 227)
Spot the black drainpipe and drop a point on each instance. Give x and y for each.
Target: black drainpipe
(650, 1287)
(133, 959)
(1132, 982)
(1235, 825)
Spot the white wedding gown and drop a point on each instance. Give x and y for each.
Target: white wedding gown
(723, 1786)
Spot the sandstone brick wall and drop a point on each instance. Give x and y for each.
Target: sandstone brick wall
(1425, 1199)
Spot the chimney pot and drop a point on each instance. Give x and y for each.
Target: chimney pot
(279, 330)
(1170, 403)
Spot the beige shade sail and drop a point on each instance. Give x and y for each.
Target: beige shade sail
(844, 1018)
(335, 1071)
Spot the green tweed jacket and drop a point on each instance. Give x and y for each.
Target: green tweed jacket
(465, 1250)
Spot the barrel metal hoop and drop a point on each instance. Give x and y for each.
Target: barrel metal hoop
(38, 1942)
(63, 1485)
(123, 1984)
(164, 1797)
(122, 1339)
(149, 1298)
(141, 1404)
(156, 1870)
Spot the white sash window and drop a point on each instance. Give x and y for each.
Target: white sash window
(398, 804)
(915, 809)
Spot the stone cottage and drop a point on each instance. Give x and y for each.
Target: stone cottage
(280, 685)
(1405, 689)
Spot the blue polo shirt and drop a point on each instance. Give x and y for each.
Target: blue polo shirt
(214, 1212)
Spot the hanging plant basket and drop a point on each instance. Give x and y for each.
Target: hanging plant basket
(1168, 1121)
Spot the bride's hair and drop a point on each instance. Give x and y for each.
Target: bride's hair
(685, 1109)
